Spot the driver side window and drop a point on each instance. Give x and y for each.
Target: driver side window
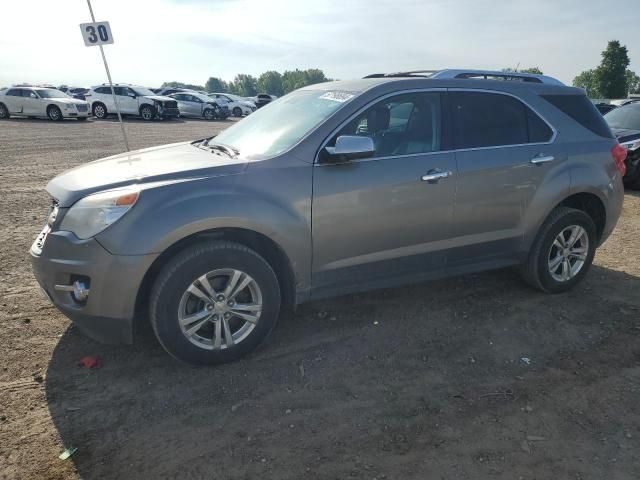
(400, 125)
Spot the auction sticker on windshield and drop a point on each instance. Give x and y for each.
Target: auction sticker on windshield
(337, 96)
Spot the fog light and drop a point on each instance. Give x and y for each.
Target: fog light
(80, 291)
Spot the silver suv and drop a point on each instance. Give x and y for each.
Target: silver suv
(334, 188)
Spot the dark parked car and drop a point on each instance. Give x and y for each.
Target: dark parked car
(262, 99)
(625, 124)
(605, 108)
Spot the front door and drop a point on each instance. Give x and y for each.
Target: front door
(32, 104)
(386, 219)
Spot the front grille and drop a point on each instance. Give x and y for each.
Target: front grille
(170, 104)
(82, 108)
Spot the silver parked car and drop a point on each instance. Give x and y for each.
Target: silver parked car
(334, 188)
(197, 105)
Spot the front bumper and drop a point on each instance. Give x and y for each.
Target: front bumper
(113, 282)
(75, 113)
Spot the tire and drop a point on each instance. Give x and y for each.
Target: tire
(172, 299)
(237, 112)
(147, 112)
(4, 111)
(81, 119)
(54, 113)
(209, 114)
(537, 271)
(99, 110)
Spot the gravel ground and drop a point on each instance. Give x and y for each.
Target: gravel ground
(471, 377)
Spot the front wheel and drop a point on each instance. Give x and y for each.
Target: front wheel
(237, 112)
(562, 252)
(147, 112)
(54, 113)
(214, 302)
(99, 111)
(209, 114)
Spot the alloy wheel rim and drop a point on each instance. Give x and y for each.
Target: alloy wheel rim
(99, 112)
(568, 253)
(55, 114)
(208, 114)
(220, 309)
(146, 113)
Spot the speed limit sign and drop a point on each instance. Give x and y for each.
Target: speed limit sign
(98, 33)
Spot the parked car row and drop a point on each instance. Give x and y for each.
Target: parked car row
(80, 102)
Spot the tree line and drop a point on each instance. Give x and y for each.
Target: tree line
(271, 82)
(612, 78)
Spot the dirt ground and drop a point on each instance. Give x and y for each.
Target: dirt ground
(468, 378)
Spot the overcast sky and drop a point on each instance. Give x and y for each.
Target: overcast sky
(190, 40)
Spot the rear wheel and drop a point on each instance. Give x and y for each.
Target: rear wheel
(99, 110)
(562, 251)
(214, 303)
(4, 111)
(54, 113)
(237, 112)
(147, 112)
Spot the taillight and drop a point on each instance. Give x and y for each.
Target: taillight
(619, 154)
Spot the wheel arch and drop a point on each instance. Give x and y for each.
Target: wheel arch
(265, 246)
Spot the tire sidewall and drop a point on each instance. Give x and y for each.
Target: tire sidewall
(237, 112)
(209, 114)
(186, 268)
(575, 217)
(4, 112)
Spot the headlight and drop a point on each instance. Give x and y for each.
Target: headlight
(93, 213)
(632, 145)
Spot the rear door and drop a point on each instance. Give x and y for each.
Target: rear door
(504, 150)
(383, 220)
(13, 100)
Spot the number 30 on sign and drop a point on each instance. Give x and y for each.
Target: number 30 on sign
(98, 33)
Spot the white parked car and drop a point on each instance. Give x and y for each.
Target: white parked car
(237, 105)
(41, 102)
(132, 100)
(196, 105)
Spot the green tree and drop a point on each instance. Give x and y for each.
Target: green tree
(244, 85)
(214, 84)
(183, 85)
(294, 79)
(270, 82)
(633, 82)
(588, 81)
(611, 74)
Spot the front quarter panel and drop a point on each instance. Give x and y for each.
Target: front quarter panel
(271, 198)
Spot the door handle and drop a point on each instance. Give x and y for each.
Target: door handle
(434, 176)
(540, 159)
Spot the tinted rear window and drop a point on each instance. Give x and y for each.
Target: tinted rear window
(483, 119)
(580, 108)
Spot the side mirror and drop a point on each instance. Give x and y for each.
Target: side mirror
(349, 147)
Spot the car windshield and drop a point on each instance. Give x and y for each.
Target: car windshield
(51, 93)
(282, 123)
(142, 91)
(627, 116)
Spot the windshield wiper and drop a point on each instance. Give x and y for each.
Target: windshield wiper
(221, 147)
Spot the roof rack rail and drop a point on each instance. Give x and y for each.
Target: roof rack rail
(472, 75)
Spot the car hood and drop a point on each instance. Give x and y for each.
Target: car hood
(626, 134)
(166, 163)
(160, 98)
(67, 101)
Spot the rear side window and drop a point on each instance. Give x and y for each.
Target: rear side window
(103, 90)
(580, 108)
(483, 119)
(15, 92)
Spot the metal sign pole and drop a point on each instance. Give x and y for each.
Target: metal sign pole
(113, 93)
